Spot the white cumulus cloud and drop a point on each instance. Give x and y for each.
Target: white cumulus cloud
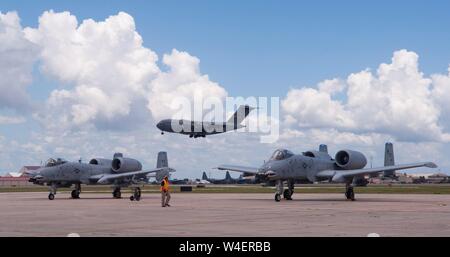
(397, 100)
(182, 80)
(110, 79)
(17, 56)
(103, 65)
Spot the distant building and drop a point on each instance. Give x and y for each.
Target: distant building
(438, 178)
(19, 178)
(404, 178)
(15, 181)
(23, 171)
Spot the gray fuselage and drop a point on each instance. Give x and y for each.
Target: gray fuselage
(290, 166)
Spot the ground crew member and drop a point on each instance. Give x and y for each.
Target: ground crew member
(165, 195)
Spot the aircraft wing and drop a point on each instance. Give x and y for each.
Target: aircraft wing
(105, 178)
(244, 169)
(343, 175)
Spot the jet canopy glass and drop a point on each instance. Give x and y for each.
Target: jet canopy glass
(53, 162)
(281, 154)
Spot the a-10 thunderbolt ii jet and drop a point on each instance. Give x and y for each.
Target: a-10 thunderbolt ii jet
(118, 172)
(346, 167)
(203, 128)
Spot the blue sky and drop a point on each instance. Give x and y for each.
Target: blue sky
(270, 46)
(260, 48)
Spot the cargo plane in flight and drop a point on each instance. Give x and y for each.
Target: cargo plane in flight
(203, 128)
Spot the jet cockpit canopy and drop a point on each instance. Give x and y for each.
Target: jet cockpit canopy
(53, 162)
(281, 154)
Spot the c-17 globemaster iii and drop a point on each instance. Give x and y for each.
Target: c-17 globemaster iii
(203, 128)
(346, 167)
(118, 172)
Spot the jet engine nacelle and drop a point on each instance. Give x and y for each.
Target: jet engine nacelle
(350, 160)
(101, 161)
(121, 164)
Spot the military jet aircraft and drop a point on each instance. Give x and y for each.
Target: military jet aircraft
(346, 167)
(201, 129)
(118, 172)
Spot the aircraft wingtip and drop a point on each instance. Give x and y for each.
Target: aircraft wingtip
(431, 165)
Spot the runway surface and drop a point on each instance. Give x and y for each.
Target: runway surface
(192, 214)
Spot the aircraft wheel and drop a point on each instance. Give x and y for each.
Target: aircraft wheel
(350, 194)
(131, 198)
(117, 194)
(162, 133)
(137, 194)
(287, 194)
(75, 194)
(51, 196)
(277, 197)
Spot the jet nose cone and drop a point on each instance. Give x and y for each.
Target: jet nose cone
(160, 125)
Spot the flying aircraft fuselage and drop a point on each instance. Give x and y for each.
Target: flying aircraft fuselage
(196, 128)
(203, 128)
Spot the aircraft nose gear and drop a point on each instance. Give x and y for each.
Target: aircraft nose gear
(116, 193)
(349, 193)
(279, 190)
(52, 193)
(277, 197)
(136, 195)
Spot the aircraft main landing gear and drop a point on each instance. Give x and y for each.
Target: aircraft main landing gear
(51, 196)
(136, 195)
(279, 190)
(287, 193)
(349, 193)
(76, 192)
(116, 193)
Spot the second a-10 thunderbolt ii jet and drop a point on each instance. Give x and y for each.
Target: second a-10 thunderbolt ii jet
(118, 172)
(346, 167)
(203, 128)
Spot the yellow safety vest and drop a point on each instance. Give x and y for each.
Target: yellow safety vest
(165, 186)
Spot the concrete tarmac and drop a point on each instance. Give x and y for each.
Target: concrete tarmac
(228, 214)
